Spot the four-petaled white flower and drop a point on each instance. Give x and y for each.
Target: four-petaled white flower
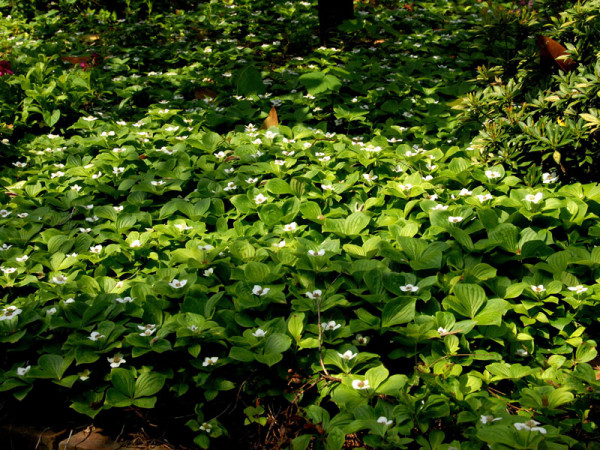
(5, 213)
(22, 258)
(579, 289)
(409, 288)
(176, 284)
(4, 247)
(206, 427)
(260, 291)
(290, 226)
(484, 197)
(251, 180)
(135, 243)
(369, 177)
(384, 421)
(59, 279)
(463, 192)
(455, 219)
(96, 249)
(258, 199)
(157, 183)
(320, 252)
(22, 215)
(205, 248)
(208, 272)
(534, 198)
(439, 207)
(209, 361)
(327, 187)
(9, 312)
(487, 418)
(491, 174)
(530, 425)
(314, 295)
(347, 355)
(360, 384)
(22, 371)
(330, 326)
(362, 340)
(8, 270)
(405, 187)
(94, 336)
(259, 333)
(50, 311)
(279, 244)
(549, 178)
(442, 331)
(522, 352)
(116, 360)
(538, 289)
(183, 226)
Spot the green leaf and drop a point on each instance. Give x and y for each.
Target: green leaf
(296, 325)
(376, 376)
(241, 354)
(270, 214)
(123, 382)
(249, 82)
(277, 343)
(256, 272)
(397, 312)
(586, 352)
(469, 298)
(148, 383)
(278, 186)
(317, 82)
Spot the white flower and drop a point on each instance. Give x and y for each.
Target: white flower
(206, 427)
(360, 384)
(123, 299)
(442, 331)
(314, 295)
(50, 311)
(176, 284)
(209, 361)
(135, 243)
(534, 198)
(362, 340)
(220, 155)
(279, 244)
(4, 247)
(578, 289)
(491, 174)
(348, 355)
(157, 183)
(96, 175)
(22, 258)
(330, 326)
(259, 333)
(69, 301)
(118, 149)
(85, 230)
(465, 192)
(456, 219)
(485, 197)
(260, 199)
(320, 252)
(549, 178)
(96, 249)
(530, 425)
(94, 336)
(22, 371)
(440, 207)
(251, 180)
(409, 288)
(206, 247)
(384, 420)
(8, 270)
(183, 226)
(59, 279)
(5, 213)
(208, 272)
(147, 332)
(10, 312)
(538, 289)
(230, 186)
(20, 164)
(76, 188)
(22, 215)
(290, 226)
(521, 352)
(90, 118)
(118, 170)
(487, 419)
(369, 177)
(327, 187)
(259, 290)
(116, 361)
(405, 187)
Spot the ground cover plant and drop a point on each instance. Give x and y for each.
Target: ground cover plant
(213, 221)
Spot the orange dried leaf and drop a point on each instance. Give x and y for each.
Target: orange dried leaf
(550, 49)
(271, 120)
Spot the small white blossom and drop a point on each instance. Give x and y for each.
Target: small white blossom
(259, 290)
(258, 199)
(360, 384)
(136, 243)
(456, 219)
(384, 420)
(176, 284)
(320, 252)
(259, 333)
(538, 289)
(534, 198)
(330, 326)
(492, 175)
(347, 355)
(209, 361)
(409, 288)
(486, 419)
(578, 289)
(94, 336)
(116, 360)
(96, 249)
(59, 279)
(530, 425)
(314, 295)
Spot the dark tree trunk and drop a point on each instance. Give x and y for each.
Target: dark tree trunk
(331, 14)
